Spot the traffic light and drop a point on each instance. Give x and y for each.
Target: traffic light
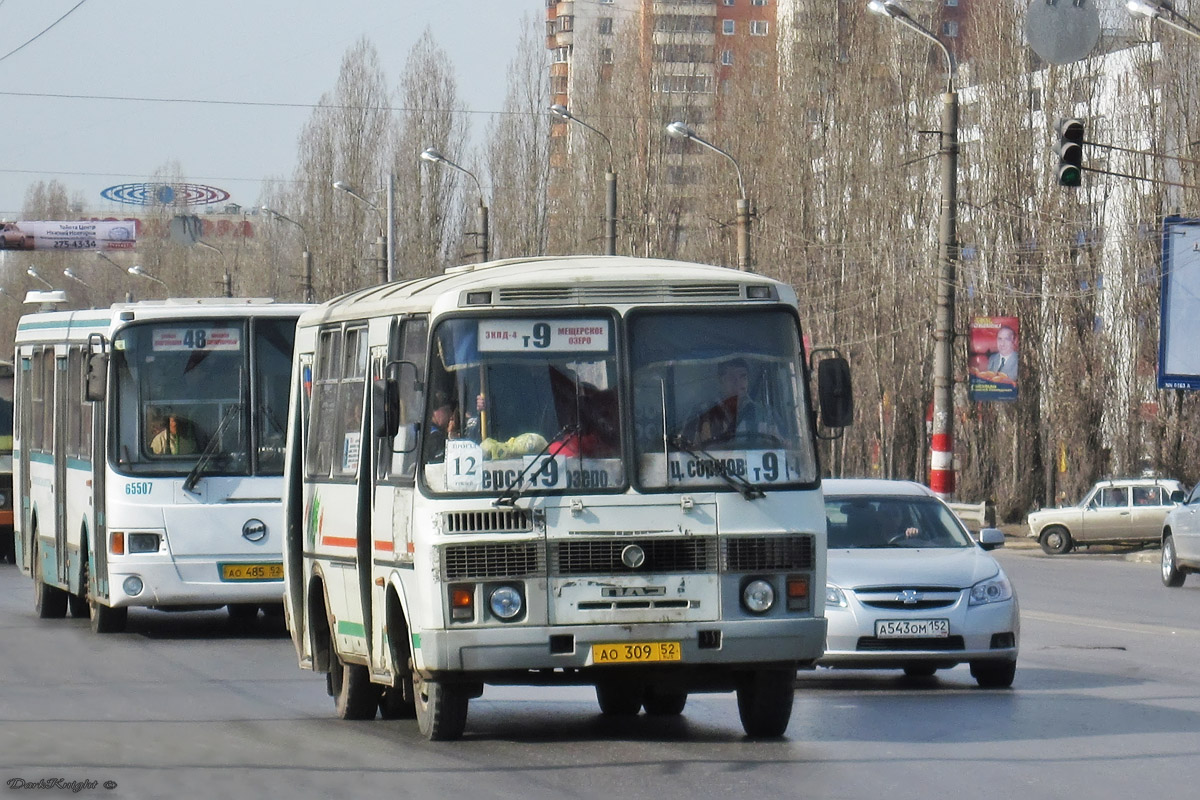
(1070, 152)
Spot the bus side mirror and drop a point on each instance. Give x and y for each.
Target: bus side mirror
(833, 391)
(385, 399)
(97, 377)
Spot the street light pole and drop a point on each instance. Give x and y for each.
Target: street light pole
(33, 273)
(306, 285)
(385, 243)
(226, 278)
(434, 157)
(141, 273)
(941, 457)
(610, 180)
(1165, 13)
(744, 214)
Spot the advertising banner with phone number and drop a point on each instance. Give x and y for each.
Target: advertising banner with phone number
(68, 236)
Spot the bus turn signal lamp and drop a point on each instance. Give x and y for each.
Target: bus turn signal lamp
(462, 603)
(117, 547)
(797, 593)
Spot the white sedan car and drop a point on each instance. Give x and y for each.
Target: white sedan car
(1181, 538)
(908, 588)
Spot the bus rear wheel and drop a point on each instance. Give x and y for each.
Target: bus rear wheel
(441, 709)
(661, 701)
(765, 700)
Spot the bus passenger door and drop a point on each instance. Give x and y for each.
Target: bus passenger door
(60, 399)
(393, 478)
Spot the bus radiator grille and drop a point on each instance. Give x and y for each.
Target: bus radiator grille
(517, 520)
(603, 557)
(767, 553)
(493, 560)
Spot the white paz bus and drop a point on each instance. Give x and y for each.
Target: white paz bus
(148, 456)
(586, 470)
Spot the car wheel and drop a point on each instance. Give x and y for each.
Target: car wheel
(994, 674)
(1172, 576)
(1055, 541)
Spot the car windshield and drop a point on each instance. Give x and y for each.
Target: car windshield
(864, 521)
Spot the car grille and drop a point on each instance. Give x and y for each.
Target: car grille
(874, 644)
(767, 553)
(903, 606)
(603, 557)
(493, 560)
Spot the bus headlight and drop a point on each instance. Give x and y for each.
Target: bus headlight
(506, 602)
(133, 586)
(758, 596)
(142, 542)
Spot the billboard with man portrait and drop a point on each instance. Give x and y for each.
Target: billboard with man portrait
(993, 363)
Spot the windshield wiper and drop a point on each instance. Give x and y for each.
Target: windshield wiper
(510, 495)
(744, 487)
(189, 483)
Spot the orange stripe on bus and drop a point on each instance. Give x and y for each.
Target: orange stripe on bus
(381, 545)
(339, 541)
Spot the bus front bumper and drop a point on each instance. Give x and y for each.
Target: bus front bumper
(187, 582)
(718, 644)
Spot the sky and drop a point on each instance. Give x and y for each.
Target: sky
(221, 64)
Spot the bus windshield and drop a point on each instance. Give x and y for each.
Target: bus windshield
(523, 405)
(719, 400)
(184, 387)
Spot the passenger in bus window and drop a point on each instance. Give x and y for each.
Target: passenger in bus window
(178, 437)
(735, 415)
(441, 427)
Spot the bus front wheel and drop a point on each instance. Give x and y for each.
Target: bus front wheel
(354, 696)
(765, 700)
(103, 619)
(50, 602)
(441, 709)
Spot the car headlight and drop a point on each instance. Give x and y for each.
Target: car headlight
(993, 590)
(834, 596)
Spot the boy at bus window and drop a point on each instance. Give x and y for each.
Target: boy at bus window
(177, 438)
(441, 427)
(736, 413)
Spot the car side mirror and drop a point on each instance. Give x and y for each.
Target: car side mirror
(991, 538)
(1178, 496)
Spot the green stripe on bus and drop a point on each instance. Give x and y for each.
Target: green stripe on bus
(351, 629)
(42, 458)
(416, 637)
(79, 463)
(75, 323)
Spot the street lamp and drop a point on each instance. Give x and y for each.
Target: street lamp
(386, 243)
(610, 180)
(941, 459)
(70, 274)
(33, 273)
(100, 255)
(226, 278)
(1165, 13)
(305, 257)
(141, 273)
(434, 157)
(680, 131)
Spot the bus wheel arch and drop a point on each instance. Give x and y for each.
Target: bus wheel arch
(50, 602)
(398, 700)
(320, 638)
(77, 602)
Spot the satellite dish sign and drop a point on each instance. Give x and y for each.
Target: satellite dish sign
(1062, 31)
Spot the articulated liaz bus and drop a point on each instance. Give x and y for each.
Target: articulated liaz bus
(594, 471)
(148, 456)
